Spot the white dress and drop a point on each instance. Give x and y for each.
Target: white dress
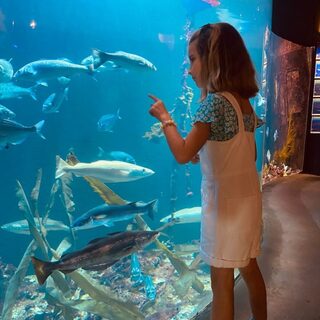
(231, 221)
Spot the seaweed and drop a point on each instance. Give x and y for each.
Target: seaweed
(15, 282)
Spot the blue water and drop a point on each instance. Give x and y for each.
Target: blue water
(70, 29)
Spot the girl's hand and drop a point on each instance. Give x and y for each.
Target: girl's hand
(158, 109)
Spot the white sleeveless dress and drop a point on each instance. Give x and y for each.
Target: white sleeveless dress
(231, 221)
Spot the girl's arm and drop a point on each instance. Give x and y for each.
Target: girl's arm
(186, 149)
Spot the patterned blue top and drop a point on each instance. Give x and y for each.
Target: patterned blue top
(218, 111)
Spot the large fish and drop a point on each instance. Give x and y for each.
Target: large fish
(13, 133)
(187, 215)
(99, 254)
(122, 60)
(108, 214)
(104, 170)
(22, 226)
(9, 90)
(42, 70)
(6, 71)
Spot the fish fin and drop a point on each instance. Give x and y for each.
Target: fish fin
(61, 165)
(38, 127)
(99, 58)
(118, 114)
(41, 269)
(152, 208)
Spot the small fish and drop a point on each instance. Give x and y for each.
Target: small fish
(275, 135)
(187, 215)
(99, 254)
(213, 3)
(6, 113)
(9, 90)
(122, 59)
(108, 121)
(267, 131)
(108, 214)
(6, 71)
(116, 155)
(104, 170)
(22, 226)
(41, 70)
(136, 273)
(53, 103)
(13, 133)
(149, 288)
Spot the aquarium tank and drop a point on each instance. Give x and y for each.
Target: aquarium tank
(139, 226)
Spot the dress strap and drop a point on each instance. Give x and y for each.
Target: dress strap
(230, 97)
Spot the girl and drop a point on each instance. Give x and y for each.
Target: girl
(223, 134)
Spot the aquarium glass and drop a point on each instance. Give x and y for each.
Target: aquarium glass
(104, 58)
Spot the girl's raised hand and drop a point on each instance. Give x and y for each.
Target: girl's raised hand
(158, 109)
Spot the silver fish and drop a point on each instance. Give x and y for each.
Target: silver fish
(53, 103)
(122, 59)
(13, 133)
(22, 226)
(104, 170)
(6, 113)
(9, 90)
(187, 215)
(6, 71)
(108, 214)
(99, 254)
(42, 70)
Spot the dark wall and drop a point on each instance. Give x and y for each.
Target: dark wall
(297, 21)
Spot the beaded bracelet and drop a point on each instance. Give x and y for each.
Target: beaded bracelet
(168, 123)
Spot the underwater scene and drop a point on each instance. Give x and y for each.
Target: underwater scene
(98, 221)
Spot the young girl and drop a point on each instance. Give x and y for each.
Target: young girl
(223, 134)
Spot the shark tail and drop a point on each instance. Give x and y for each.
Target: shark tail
(61, 167)
(38, 127)
(99, 58)
(152, 208)
(42, 269)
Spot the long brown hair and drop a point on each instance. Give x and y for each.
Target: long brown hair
(225, 61)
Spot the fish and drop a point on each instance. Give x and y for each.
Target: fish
(150, 288)
(22, 227)
(6, 71)
(187, 215)
(99, 254)
(6, 113)
(104, 170)
(136, 273)
(108, 214)
(275, 135)
(122, 59)
(108, 121)
(13, 133)
(53, 103)
(116, 155)
(41, 70)
(9, 90)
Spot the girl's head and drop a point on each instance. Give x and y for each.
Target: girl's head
(219, 61)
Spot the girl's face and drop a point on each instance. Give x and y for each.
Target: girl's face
(195, 64)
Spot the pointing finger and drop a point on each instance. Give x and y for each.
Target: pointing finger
(154, 98)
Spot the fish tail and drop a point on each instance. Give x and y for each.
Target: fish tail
(152, 208)
(61, 165)
(38, 127)
(42, 269)
(99, 58)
